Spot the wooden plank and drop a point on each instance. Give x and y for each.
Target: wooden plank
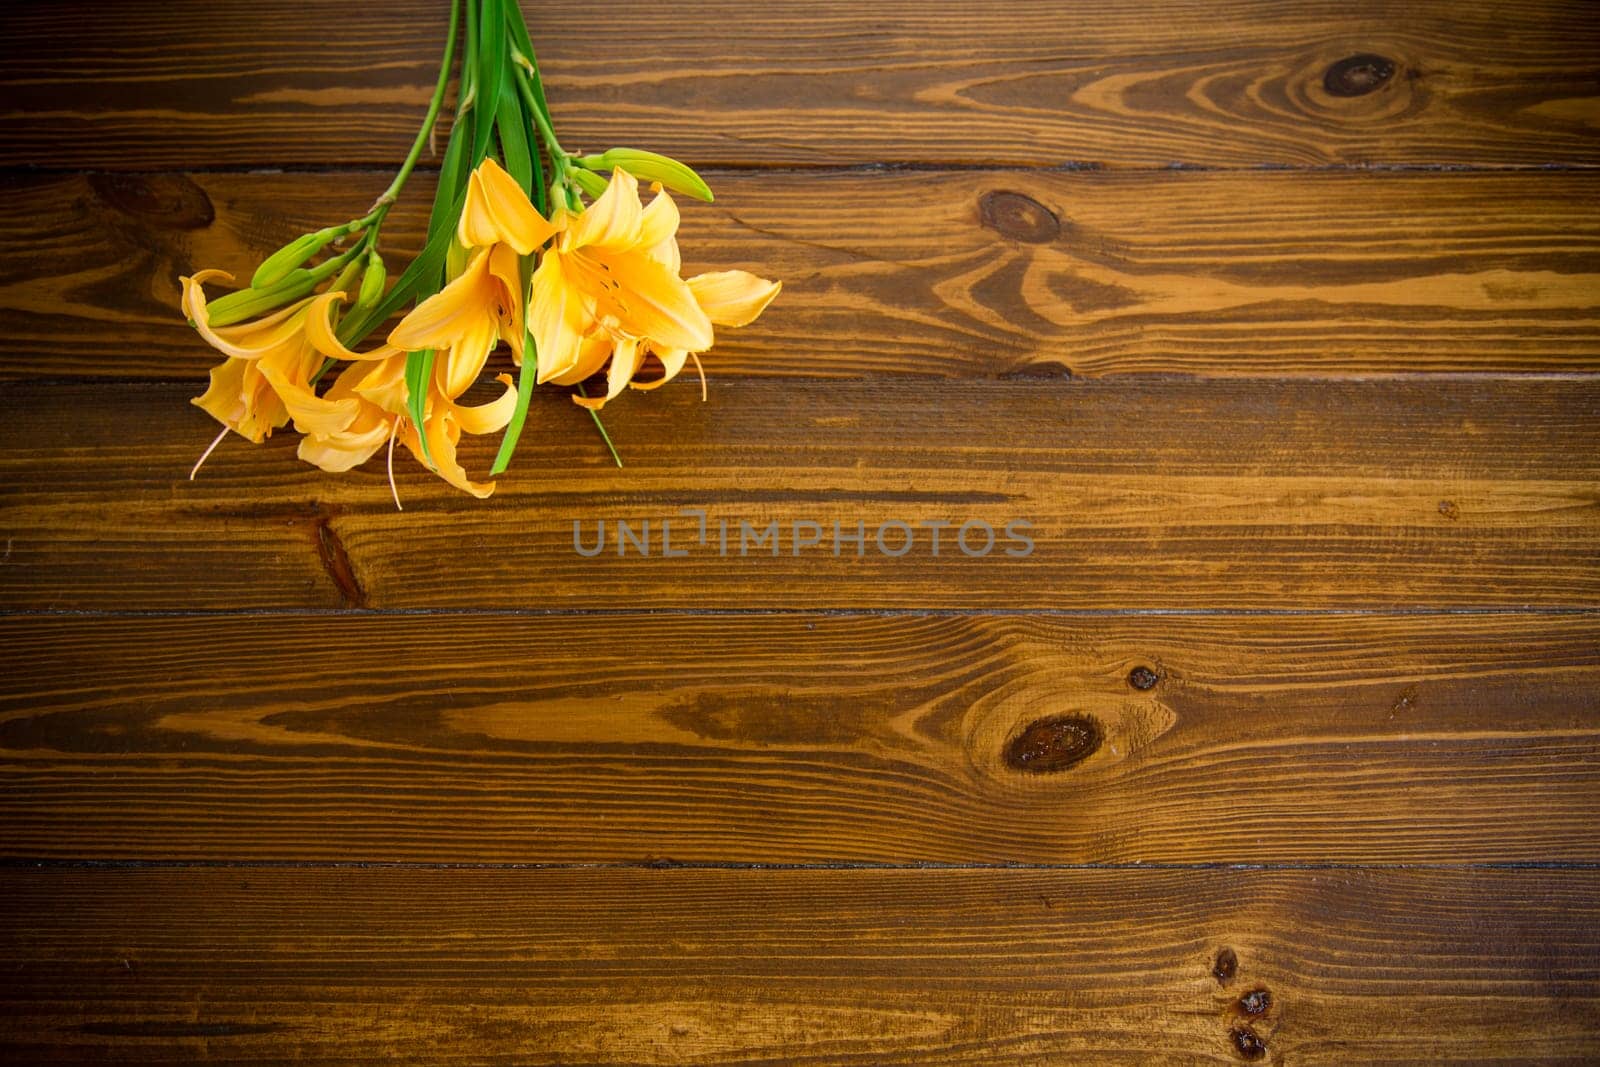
(800, 966)
(803, 739)
(1239, 82)
(1141, 494)
(954, 274)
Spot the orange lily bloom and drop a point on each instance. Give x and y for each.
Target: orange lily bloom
(266, 379)
(376, 384)
(610, 289)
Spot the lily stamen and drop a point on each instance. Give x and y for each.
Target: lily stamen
(207, 453)
(393, 489)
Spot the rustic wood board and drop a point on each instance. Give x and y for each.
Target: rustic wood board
(604, 966)
(956, 274)
(1279, 324)
(810, 738)
(1142, 495)
(1238, 82)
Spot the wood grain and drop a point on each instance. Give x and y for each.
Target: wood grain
(1464, 493)
(803, 739)
(799, 967)
(1240, 82)
(951, 274)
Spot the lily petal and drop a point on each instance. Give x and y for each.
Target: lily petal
(672, 361)
(557, 317)
(444, 433)
(319, 331)
(611, 223)
(444, 316)
(487, 418)
(733, 297)
(655, 303)
(497, 210)
(658, 228)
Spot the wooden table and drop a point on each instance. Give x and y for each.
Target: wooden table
(1277, 322)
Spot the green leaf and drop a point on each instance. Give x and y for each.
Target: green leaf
(527, 378)
(513, 128)
(492, 59)
(524, 44)
(419, 365)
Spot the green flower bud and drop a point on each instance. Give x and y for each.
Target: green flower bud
(588, 181)
(347, 278)
(372, 285)
(294, 254)
(248, 303)
(651, 167)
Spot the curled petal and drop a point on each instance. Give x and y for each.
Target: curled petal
(444, 433)
(625, 361)
(319, 331)
(348, 448)
(672, 361)
(312, 414)
(447, 314)
(242, 400)
(487, 418)
(611, 223)
(247, 341)
(497, 210)
(733, 297)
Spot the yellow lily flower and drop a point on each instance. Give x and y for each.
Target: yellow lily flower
(609, 289)
(375, 383)
(728, 297)
(483, 305)
(613, 266)
(266, 380)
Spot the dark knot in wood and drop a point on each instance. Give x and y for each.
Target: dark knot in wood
(1256, 1002)
(1019, 217)
(1226, 967)
(1054, 744)
(1247, 1043)
(1143, 678)
(1358, 75)
(170, 201)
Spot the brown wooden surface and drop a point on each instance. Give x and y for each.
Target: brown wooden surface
(615, 966)
(1279, 323)
(1464, 493)
(1151, 83)
(803, 738)
(954, 274)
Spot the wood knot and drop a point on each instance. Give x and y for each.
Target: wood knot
(1226, 967)
(170, 201)
(1255, 1002)
(1054, 744)
(1450, 510)
(1019, 217)
(1142, 677)
(1358, 75)
(1247, 1043)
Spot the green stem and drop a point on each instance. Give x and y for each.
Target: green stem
(595, 415)
(434, 104)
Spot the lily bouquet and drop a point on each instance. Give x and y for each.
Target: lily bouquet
(549, 251)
